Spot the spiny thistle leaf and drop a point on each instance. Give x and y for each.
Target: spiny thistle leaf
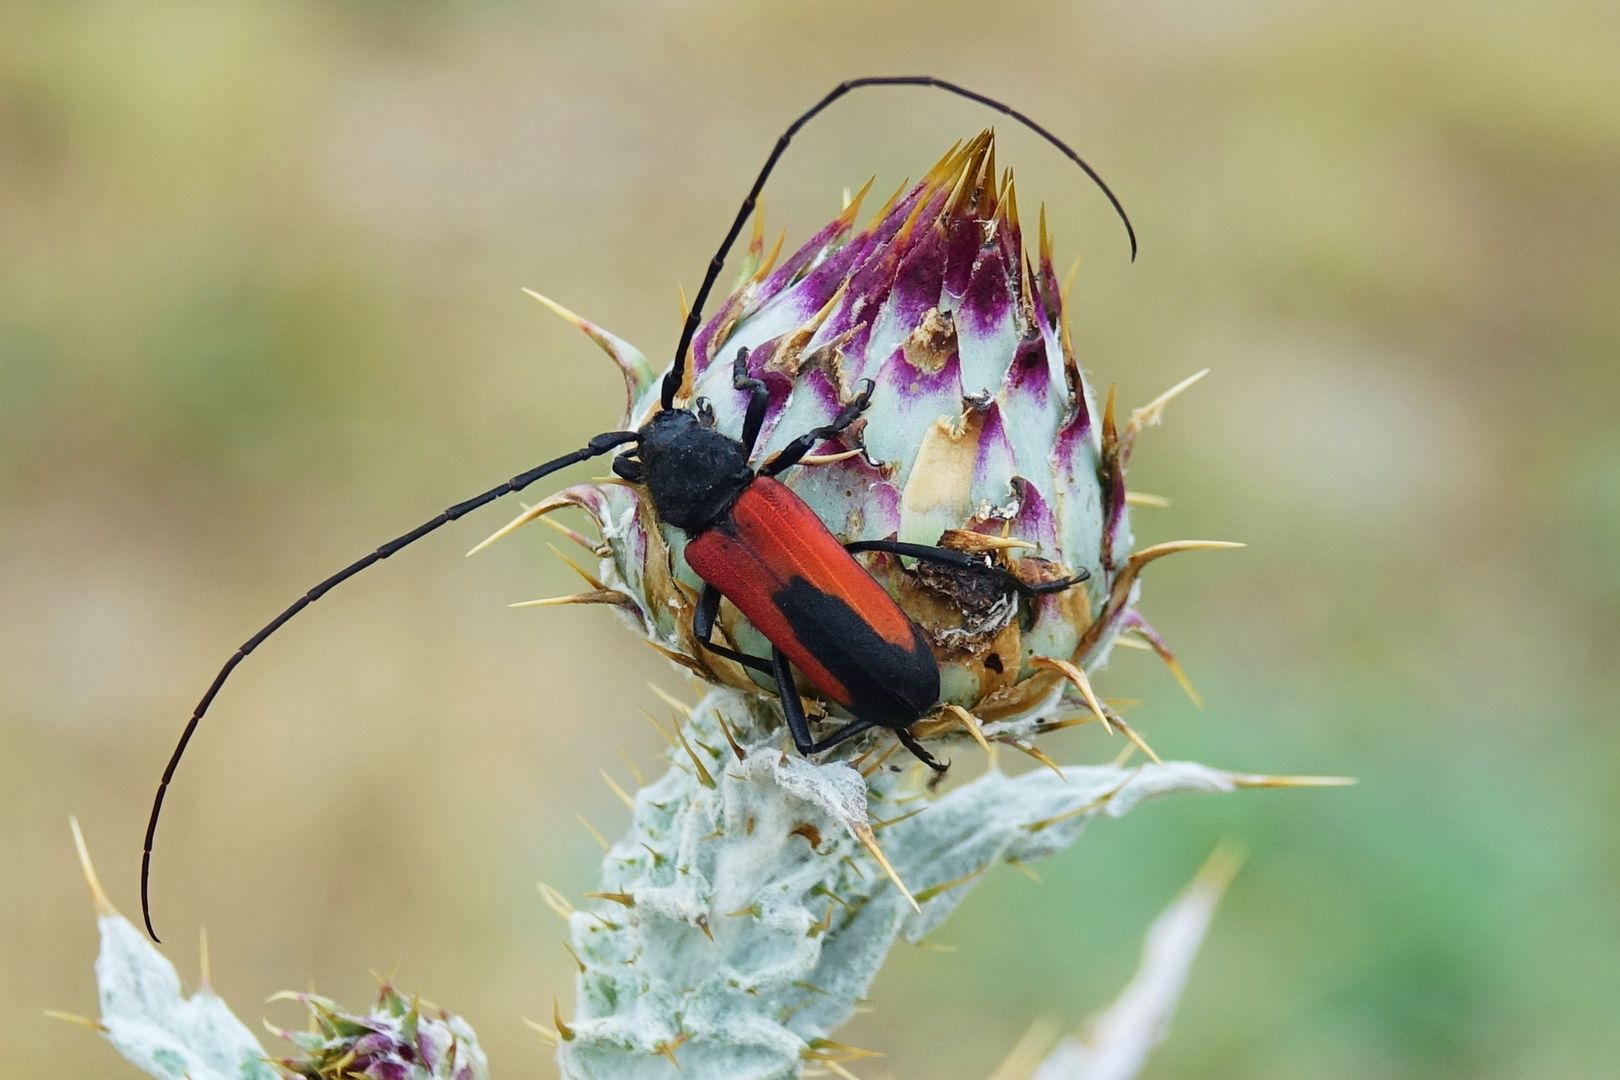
(146, 1017)
(761, 917)
(155, 1027)
(173, 1037)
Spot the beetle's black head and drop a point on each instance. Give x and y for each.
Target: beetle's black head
(693, 472)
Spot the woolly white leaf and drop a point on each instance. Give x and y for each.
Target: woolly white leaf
(158, 1030)
(751, 919)
(999, 818)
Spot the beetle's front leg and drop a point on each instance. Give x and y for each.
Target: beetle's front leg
(759, 399)
(791, 453)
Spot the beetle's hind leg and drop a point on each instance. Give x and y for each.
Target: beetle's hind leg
(708, 609)
(793, 714)
(909, 741)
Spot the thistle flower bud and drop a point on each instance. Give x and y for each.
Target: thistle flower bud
(396, 1040)
(982, 435)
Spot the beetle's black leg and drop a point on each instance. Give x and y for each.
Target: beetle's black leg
(759, 398)
(708, 610)
(793, 451)
(792, 707)
(793, 713)
(628, 467)
(849, 730)
(964, 560)
(909, 741)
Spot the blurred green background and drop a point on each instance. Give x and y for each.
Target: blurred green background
(259, 310)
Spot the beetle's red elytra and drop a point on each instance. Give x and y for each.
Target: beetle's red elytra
(792, 579)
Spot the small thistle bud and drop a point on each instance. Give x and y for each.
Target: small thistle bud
(982, 435)
(396, 1040)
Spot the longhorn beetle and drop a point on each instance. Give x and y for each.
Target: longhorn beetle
(751, 540)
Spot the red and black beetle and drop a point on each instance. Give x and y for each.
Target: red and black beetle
(751, 540)
(754, 542)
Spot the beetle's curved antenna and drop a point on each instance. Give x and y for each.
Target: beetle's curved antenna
(676, 374)
(595, 448)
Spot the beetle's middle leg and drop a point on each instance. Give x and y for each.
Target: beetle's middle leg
(964, 560)
(792, 707)
(907, 739)
(708, 609)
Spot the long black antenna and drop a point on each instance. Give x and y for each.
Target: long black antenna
(673, 379)
(597, 447)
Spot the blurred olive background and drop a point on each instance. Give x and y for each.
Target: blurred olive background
(259, 310)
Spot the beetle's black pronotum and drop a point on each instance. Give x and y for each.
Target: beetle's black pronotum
(752, 540)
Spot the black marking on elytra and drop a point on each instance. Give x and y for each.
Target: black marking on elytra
(887, 684)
